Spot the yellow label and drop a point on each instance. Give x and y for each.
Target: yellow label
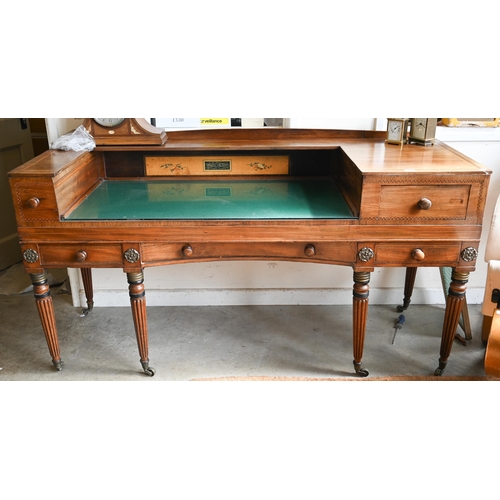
(467, 122)
(214, 121)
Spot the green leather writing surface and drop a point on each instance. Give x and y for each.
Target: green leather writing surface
(214, 199)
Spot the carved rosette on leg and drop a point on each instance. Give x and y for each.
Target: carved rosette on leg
(138, 304)
(454, 306)
(360, 314)
(45, 308)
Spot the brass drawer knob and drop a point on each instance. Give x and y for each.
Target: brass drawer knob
(425, 204)
(418, 254)
(187, 251)
(33, 202)
(310, 251)
(81, 256)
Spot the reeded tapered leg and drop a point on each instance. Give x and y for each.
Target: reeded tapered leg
(454, 306)
(360, 313)
(89, 289)
(138, 304)
(411, 273)
(45, 308)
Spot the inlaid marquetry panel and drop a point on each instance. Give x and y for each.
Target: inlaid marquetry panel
(216, 165)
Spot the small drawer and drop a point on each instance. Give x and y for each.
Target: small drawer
(424, 202)
(321, 252)
(83, 255)
(416, 254)
(36, 202)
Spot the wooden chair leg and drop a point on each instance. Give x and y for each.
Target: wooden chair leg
(485, 333)
(492, 355)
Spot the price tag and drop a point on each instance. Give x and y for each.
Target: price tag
(192, 122)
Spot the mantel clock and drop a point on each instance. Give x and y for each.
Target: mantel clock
(422, 131)
(396, 130)
(124, 132)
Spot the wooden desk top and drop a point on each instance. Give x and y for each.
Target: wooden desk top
(370, 154)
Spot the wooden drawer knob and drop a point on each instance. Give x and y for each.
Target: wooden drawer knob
(33, 202)
(310, 251)
(187, 251)
(418, 254)
(425, 204)
(81, 256)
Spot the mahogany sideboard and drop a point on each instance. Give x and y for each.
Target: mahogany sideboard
(333, 197)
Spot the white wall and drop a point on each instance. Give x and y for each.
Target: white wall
(241, 283)
(482, 145)
(60, 126)
(340, 123)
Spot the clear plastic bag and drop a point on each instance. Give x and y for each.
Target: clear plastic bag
(78, 140)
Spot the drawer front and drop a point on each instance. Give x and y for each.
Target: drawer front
(416, 254)
(321, 252)
(35, 202)
(424, 202)
(83, 255)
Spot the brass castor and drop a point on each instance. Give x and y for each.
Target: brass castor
(150, 372)
(362, 372)
(58, 365)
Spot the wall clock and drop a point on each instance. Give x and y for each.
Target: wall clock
(124, 132)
